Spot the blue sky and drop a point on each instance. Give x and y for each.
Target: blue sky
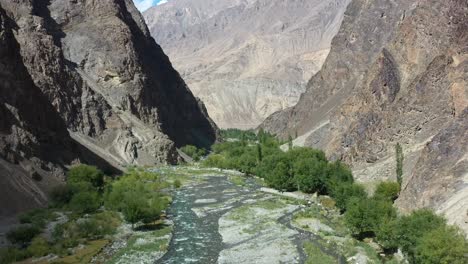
(142, 5)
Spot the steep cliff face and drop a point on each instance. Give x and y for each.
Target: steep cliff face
(396, 73)
(246, 58)
(84, 81)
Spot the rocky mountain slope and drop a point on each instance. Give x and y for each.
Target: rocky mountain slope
(84, 81)
(246, 58)
(397, 73)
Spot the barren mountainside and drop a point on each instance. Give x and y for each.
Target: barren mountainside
(396, 73)
(246, 58)
(85, 81)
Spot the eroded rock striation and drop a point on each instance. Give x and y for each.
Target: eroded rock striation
(85, 81)
(397, 73)
(246, 58)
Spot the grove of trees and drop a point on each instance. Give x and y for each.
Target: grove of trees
(423, 236)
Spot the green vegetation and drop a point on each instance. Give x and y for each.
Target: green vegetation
(137, 195)
(234, 133)
(315, 255)
(374, 217)
(195, 153)
(399, 163)
(148, 243)
(387, 191)
(23, 235)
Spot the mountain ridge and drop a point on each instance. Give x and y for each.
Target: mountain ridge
(246, 59)
(108, 88)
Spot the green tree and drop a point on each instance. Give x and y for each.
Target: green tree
(137, 196)
(39, 247)
(413, 227)
(85, 174)
(23, 235)
(387, 190)
(443, 245)
(399, 163)
(343, 192)
(365, 216)
(309, 174)
(290, 142)
(85, 202)
(337, 173)
(259, 153)
(280, 178)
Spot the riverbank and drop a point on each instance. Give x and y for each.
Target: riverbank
(222, 216)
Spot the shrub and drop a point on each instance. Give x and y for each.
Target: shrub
(444, 245)
(11, 255)
(23, 235)
(399, 163)
(195, 153)
(177, 184)
(39, 247)
(85, 174)
(85, 202)
(365, 216)
(136, 199)
(413, 227)
(280, 178)
(215, 160)
(337, 173)
(387, 190)
(99, 225)
(343, 192)
(309, 174)
(37, 217)
(386, 235)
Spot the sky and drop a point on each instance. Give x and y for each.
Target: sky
(142, 5)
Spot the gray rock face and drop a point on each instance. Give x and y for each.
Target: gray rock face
(246, 59)
(86, 79)
(396, 73)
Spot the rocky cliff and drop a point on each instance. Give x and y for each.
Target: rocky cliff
(246, 58)
(397, 73)
(84, 81)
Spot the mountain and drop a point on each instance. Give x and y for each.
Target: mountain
(246, 58)
(396, 73)
(83, 81)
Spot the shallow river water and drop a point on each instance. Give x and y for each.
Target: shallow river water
(197, 238)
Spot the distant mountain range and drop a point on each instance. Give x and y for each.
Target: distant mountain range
(246, 59)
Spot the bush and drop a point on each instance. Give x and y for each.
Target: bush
(99, 225)
(23, 235)
(177, 184)
(37, 217)
(413, 227)
(195, 153)
(85, 202)
(337, 173)
(365, 216)
(39, 247)
(344, 192)
(136, 199)
(309, 174)
(387, 191)
(11, 255)
(280, 178)
(215, 160)
(444, 245)
(85, 174)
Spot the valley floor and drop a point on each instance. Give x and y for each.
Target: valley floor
(225, 217)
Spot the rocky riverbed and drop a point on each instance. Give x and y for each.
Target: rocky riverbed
(223, 217)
